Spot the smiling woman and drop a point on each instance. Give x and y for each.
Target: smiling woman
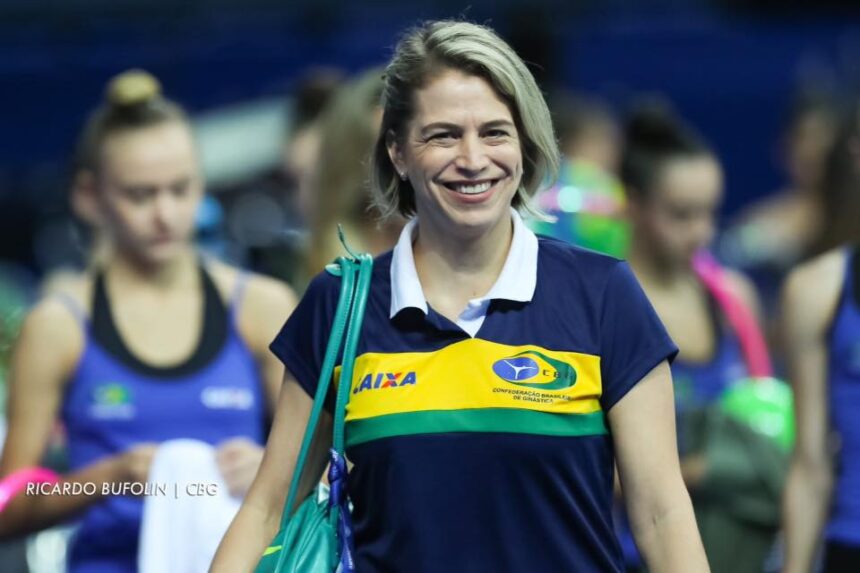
(530, 362)
(495, 75)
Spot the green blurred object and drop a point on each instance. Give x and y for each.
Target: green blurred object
(765, 405)
(746, 453)
(15, 297)
(588, 205)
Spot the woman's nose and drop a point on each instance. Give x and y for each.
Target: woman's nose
(472, 157)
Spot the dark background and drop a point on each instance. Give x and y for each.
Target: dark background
(731, 68)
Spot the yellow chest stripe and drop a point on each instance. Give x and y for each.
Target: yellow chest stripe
(474, 374)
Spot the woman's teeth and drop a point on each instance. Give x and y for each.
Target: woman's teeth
(472, 189)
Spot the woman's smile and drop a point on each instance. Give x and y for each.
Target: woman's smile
(473, 192)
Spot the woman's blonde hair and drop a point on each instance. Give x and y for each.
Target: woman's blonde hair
(133, 100)
(427, 51)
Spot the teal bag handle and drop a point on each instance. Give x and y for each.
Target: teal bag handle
(347, 272)
(356, 318)
(355, 276)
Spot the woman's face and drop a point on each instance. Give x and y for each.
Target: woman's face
(149, 189)
(461, 152)
(678, 217)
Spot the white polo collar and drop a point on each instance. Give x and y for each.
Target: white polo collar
(516, 282)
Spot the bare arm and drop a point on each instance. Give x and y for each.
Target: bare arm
(259, 517)
(47, 350)
(661, 515)
(809, 300)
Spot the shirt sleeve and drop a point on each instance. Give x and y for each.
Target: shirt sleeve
(302, 341)
(633, 340)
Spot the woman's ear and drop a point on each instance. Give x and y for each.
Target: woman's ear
(83, 199)
(395, 153)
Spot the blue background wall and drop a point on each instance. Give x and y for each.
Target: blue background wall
(730, 72)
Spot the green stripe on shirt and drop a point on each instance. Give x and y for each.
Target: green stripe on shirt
(507, 420)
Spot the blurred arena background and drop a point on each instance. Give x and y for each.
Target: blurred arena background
(730, 68)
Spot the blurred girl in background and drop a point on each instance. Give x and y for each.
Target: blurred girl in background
(587, 201)
(778, 231)
(340, 182)
(821, 327)
(153, 343)
(674, 185)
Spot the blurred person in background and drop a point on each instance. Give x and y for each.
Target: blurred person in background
(280, 250)
(339, 189)
(587, 202)
(153, 343)
(839, 189)
(16, 292)
(777, 232)
(313, 93)
(674, 185)
(587, 130)
(821, 326)
(784, 228)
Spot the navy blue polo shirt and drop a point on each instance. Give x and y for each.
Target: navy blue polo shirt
(488, 452)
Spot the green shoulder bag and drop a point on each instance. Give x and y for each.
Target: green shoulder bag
(318, 536)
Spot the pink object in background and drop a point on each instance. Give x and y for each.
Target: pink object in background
(16, 482)
(739, 316)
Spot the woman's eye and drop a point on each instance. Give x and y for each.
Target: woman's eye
(442, 136)
(682, 214)
(180, 189)
(138, 194)
(497, 133)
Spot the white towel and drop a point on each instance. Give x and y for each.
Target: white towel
(180, 532)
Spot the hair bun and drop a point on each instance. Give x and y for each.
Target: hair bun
(132, 87)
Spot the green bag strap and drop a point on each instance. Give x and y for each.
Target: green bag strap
(356, 318)
(353, 332)
(346, 269)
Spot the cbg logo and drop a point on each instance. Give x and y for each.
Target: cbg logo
(112, 401)
(533, 369)
(385, 380)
